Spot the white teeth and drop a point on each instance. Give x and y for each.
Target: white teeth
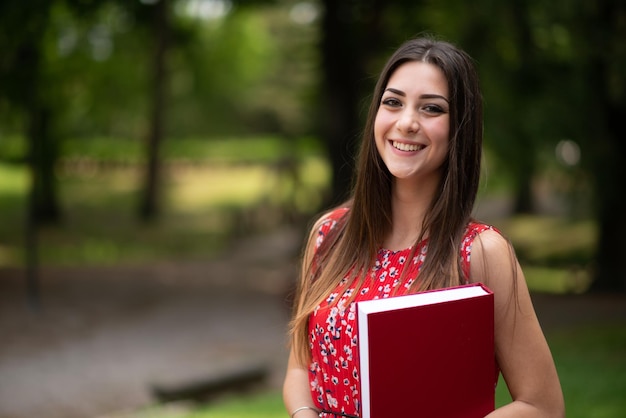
(406, 147)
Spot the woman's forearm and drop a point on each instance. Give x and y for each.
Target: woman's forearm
(296, 392)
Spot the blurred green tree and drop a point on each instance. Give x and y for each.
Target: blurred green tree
(249, 72)
(30, 84)
(49, 50)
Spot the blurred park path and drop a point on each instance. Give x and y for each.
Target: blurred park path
(105, 336)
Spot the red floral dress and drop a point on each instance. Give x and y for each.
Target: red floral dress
(334, 368)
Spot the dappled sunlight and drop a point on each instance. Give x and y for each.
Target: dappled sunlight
(549, 236)
(97, 186)
(204, 205)
(208, 186)
(557, 280)
(556, 253)
(13, 178)
(7, 255)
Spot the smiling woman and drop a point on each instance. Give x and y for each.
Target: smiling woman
(408, 228)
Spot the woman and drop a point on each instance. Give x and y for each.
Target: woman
(416, 183)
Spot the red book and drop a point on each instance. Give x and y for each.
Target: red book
(428, 354)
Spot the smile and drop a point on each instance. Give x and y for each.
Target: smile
(406, 147)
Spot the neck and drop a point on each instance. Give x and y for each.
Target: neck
(409, 206)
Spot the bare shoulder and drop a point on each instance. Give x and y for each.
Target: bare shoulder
(493, 259)
(491, 244)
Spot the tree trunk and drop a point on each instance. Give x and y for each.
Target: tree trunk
(610, 176)
(523, 162)
(524, 82)
(42, 202)
(340, 69)
(40, 124)
(607, 131)
(524, 198)
(43, 155)
(149, 207)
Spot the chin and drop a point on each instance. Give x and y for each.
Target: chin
(402, 174)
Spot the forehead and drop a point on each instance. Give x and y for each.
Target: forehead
(421, 77)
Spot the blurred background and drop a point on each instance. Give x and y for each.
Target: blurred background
(161, 161)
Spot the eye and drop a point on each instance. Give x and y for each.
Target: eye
(433, 109)
(392, 102)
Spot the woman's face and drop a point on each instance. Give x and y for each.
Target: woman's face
(412, 126)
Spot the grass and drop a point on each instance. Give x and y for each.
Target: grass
(592, 368)
(590, 362)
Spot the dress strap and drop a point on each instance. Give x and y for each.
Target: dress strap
(471, 232)
(327, 223)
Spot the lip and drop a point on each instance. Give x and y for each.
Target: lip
(406, 146)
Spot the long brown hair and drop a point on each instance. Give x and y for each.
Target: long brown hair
(351, 246)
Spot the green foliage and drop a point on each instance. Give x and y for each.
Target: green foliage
(12, 148)
(221, 150)
(213, 191)
(251, 71)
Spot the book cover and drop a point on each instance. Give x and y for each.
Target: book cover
(428, 354)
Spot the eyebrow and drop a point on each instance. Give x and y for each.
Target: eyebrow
(423, 96)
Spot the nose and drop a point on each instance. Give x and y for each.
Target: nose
(407, 122)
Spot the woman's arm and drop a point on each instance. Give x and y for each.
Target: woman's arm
(296, 392)
(521, 349)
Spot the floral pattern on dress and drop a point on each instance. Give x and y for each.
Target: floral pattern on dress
(333, 339)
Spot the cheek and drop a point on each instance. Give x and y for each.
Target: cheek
(441, 131)
(445, 135)
(443, 139)
(381, 125)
